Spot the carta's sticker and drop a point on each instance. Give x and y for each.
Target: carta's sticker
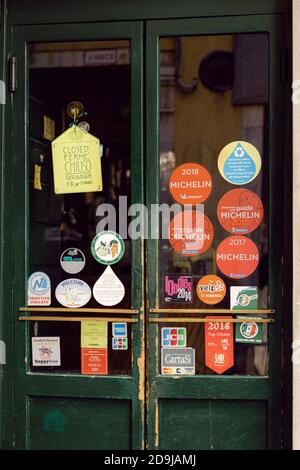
(249, 331)
(243, 298)
(240, 211)
(73, 293)
(39, 290)
(178, 288)
(190, 183)
(120, 344)
(119, 330)
(178, 361)
(108, 247)
(76, 162)
(211, 289)
(45, 351)
(239, 162)
(237, 257)
(108, 290)
(190, 233)
(72, 261)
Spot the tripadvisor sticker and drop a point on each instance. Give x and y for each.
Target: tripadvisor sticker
(72, 260)
(211, 289)
(108, 247)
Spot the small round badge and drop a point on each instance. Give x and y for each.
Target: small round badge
(72, 260)
(211, 289)
(108, 247)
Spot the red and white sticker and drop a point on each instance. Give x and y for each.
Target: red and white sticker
(219, 352)
(94, 361)
(190, 183)
(237, 257)
(240, 211)
(190, 233)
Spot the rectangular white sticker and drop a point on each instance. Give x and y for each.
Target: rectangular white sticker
(46, 351)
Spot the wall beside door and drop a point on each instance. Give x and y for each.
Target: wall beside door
(296, 230)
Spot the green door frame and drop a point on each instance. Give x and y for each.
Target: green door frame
(58, 385)
(204, 386)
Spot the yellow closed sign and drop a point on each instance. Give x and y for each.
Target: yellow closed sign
(76, 162)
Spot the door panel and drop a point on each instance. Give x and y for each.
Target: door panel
(192, 114)
(235, 410)
(53, 401)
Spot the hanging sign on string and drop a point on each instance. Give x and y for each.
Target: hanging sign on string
(76, 162)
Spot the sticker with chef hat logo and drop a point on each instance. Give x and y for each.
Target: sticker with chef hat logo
(108, 247)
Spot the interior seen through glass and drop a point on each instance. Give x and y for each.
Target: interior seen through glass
(214, 91)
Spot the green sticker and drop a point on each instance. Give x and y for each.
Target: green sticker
(249, 331)
(108, 247)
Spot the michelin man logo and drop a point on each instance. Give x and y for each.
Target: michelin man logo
(2, 353)
(2, 92)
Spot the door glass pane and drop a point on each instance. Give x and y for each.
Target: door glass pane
(214, 92)
(97, 74)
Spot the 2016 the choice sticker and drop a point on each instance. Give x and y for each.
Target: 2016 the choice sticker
(190, 233)
(211, 289)
(190, 183)
(240, 211)
(237, 257)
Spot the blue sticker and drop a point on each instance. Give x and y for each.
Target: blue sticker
(239, 168)
(119, 330)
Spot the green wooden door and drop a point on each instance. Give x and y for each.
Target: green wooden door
(196, 106)
(185, 121)
(60, 407)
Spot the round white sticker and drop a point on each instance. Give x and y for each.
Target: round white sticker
(72, 261)
(108, 247)
(73, 293)
(108, 290)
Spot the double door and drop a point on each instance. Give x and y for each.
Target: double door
(165, 98)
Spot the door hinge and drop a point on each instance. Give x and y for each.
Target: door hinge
(284, 64)
(12, 64)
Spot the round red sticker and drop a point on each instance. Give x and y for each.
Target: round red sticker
(190, 183)
(211, 289)
(237, 257)
(190, 233)
(240, 211)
